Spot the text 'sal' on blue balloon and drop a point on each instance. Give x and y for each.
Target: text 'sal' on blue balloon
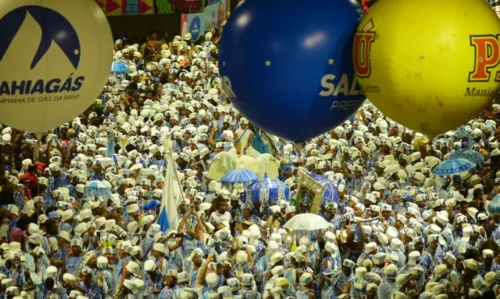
(287, 64)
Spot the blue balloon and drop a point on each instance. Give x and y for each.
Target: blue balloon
(287, 65)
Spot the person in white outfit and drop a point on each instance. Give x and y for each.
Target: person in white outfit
(243, 138)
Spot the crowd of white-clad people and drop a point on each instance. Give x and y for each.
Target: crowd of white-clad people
(398, 230)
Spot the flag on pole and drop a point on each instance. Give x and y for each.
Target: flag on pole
(168, 218)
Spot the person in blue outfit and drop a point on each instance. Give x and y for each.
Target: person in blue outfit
(170, 281)
(182, 284)
(388, 285)
(341, 280)
(488, 265)
(152, 280)
(74, 259)
(306, 283)
(212, 284)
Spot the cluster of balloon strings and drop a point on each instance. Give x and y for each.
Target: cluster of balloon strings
(429, 65)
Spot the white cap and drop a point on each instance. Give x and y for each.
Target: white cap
(149, 266)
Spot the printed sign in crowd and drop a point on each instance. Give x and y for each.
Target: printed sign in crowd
(213, 16)
(147, 7)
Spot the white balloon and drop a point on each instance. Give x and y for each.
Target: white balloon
(55, 58)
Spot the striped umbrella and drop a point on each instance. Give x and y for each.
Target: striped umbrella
(239, 175)
(97, 189)
(468, 154)
(452, 167)
(267, 189)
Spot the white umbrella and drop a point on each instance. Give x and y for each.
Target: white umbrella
(307, 222)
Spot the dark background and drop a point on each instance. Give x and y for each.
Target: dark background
(141, 26)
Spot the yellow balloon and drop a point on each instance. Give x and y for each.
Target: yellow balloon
(430, 65)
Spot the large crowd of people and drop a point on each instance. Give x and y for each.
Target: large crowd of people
(398, 231)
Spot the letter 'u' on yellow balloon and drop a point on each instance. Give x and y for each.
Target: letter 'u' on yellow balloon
(430, 65)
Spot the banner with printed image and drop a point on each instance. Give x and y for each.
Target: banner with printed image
(165, 7)
(128, 7)
(138, 7)
(216, 14)
(194, 23)
(146, 7)
(189, 6)
(211, 16)
(224, 11)
(114, 7)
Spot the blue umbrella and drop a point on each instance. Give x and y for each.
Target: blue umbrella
(331, 193)
(267, 189)
(97, 189)
(239, 175)
(452, 167)
(152, 205)
(468, 154)
(119, 67)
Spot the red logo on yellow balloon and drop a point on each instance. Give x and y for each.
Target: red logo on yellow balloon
(487, 56)
(363, 42)
(362, 45)
(432, 66)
